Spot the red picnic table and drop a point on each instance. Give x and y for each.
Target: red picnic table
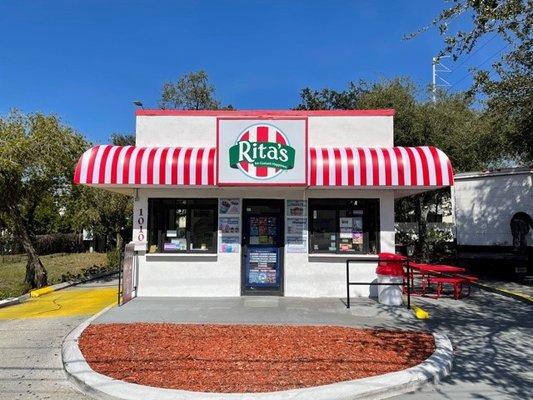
(432, 274)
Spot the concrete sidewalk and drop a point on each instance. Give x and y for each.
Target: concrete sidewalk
(31, 335)
(262, 310)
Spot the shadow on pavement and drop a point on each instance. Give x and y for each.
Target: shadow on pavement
(491, 336)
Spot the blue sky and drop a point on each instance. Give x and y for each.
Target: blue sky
(87, 60)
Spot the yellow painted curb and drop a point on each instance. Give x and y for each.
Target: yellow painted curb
(41, 291)
(517, 294)
(420, 313)
(505, 292)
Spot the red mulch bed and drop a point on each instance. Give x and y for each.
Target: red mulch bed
(248, 358)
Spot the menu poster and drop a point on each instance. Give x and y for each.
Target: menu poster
(296, 226)
(296, 239)
(229, 225)
(262, 266)
(230, 244)
(358, 224)
(263, 226)
(351, 233)
(229, 206)
(172, 233)
(346, 225)
(175, 245)
(357, 232)
(296, 244)
(296, 208)
(357, 238)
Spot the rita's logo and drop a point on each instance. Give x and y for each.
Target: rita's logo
(262, 152)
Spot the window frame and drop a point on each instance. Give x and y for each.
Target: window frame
(188, 204)
(342, 204)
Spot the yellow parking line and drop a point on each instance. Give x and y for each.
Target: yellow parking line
(63, 303)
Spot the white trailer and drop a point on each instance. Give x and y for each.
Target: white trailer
(484, 203)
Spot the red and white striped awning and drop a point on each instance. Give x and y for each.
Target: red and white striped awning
(374, 166)
(130, 165)
(335, 167)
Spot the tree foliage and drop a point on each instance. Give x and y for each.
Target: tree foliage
(123, 139)
(104, 213)
(508, 85)
(331, 99)
(451, 124)
(192, 91)
(37, 158)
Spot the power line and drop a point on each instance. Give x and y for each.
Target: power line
(480, 64)
(475, 52)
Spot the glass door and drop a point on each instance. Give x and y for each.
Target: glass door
(263, 241)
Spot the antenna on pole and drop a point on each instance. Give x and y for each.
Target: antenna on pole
(437, 67)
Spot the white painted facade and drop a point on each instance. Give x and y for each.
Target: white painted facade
(307, 275)
(484, 204)
(200, 131)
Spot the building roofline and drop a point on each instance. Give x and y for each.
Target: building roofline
(495, 172)
(387, 112)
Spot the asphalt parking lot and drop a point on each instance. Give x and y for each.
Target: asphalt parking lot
(490, 333)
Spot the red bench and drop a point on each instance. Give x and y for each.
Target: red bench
(441, 281)
(468, 279)
(456, 282)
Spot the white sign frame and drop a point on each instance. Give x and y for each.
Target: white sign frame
(229, 129)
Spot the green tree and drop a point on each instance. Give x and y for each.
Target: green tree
(508, 84)
(331, 99)
(104, 213)
(123, 139)
(37, 158)
(451, 124)
(192, 91)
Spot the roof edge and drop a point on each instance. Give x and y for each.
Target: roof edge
(386, 112)
(495, 172)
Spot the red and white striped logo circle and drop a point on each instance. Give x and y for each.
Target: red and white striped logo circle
(262, 133)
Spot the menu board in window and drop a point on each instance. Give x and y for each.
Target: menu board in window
(351, 234)
(262, 266)
(263, 230)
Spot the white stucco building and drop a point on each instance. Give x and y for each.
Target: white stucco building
(231, 203)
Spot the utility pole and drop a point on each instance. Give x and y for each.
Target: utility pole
(436, 80)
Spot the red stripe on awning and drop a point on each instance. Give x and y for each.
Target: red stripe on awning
(396, 164)
(98, 163)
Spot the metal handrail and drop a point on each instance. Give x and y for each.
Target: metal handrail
(348, 283)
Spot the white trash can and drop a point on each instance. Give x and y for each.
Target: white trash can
(390, 295)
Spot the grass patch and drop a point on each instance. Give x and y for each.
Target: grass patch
(58, 266)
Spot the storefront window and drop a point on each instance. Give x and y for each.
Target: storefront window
(345, 226)
(182, 225)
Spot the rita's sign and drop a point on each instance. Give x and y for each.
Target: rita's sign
(262, 152)
(257, 156)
